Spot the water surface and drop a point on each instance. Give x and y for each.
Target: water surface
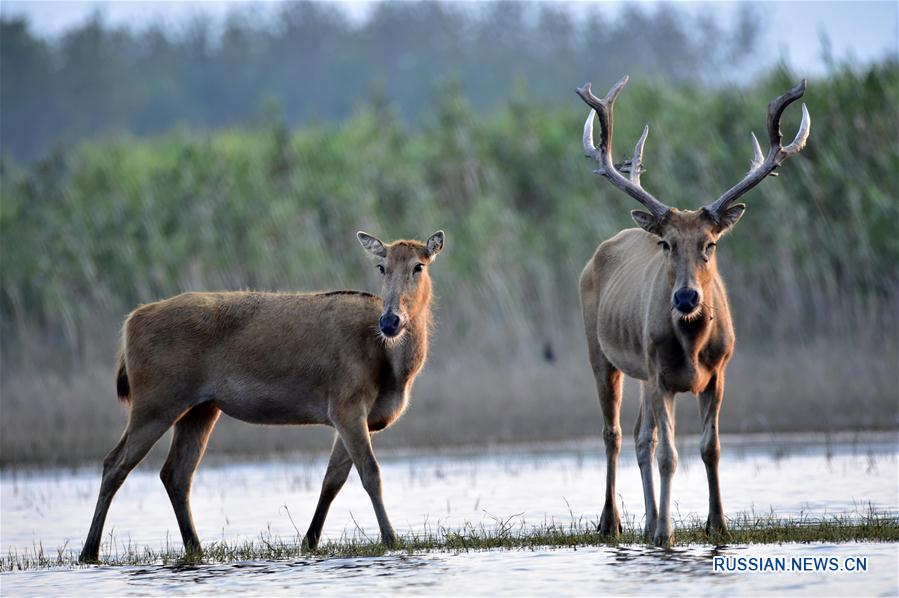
(787, 476)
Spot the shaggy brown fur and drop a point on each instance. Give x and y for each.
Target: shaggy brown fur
(272, 358)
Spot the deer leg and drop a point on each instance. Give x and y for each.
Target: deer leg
(139, 437)
(339, 466)
(710, 401)
(192, 433)
(608, 387)
(663, 410)
(357, 440)
(645, 440)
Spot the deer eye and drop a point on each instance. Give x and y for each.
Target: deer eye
(381, 268)
(418, 268)
(664, 245)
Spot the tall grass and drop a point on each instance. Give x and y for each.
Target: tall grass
(512, 533)
(91, 232)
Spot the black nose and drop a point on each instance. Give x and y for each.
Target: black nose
(389, 324)
(686, 300)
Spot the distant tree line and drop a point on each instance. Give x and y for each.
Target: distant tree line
(316, 64)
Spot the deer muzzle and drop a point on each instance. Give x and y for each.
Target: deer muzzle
(685, 300)
(391, 324)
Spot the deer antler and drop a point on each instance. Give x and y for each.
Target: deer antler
(603, 155)
(762, 167)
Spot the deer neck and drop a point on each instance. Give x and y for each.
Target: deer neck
(693, 334)
(407, 357)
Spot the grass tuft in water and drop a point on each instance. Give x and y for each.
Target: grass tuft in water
(511, 533)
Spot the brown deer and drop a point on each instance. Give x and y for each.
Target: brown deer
(345, 359)
(655, 309)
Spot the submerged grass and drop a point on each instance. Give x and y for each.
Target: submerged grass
(511, 534)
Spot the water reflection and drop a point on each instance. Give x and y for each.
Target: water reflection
(316, 575)
(620, 570)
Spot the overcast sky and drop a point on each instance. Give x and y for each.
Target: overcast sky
(864, 31)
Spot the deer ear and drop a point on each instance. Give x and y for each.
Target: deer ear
(729, 217)
(372, 244)
(435, 243)
(647, 221)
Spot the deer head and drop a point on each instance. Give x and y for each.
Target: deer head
(404, 271)
(687, 238)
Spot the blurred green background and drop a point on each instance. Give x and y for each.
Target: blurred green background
(138, 163)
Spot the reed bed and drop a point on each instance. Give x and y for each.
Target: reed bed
(89, 233)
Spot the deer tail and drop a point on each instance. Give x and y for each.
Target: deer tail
(121, 379)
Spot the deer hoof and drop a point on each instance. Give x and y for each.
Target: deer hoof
(389, 540)
(663, 539)
(716, 527)
(89, 559)
(610, 524)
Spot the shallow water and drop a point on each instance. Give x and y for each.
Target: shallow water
(607, 570)
(239, 501)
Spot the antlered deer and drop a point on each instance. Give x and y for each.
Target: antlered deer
(345, 359)
(655, 309)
